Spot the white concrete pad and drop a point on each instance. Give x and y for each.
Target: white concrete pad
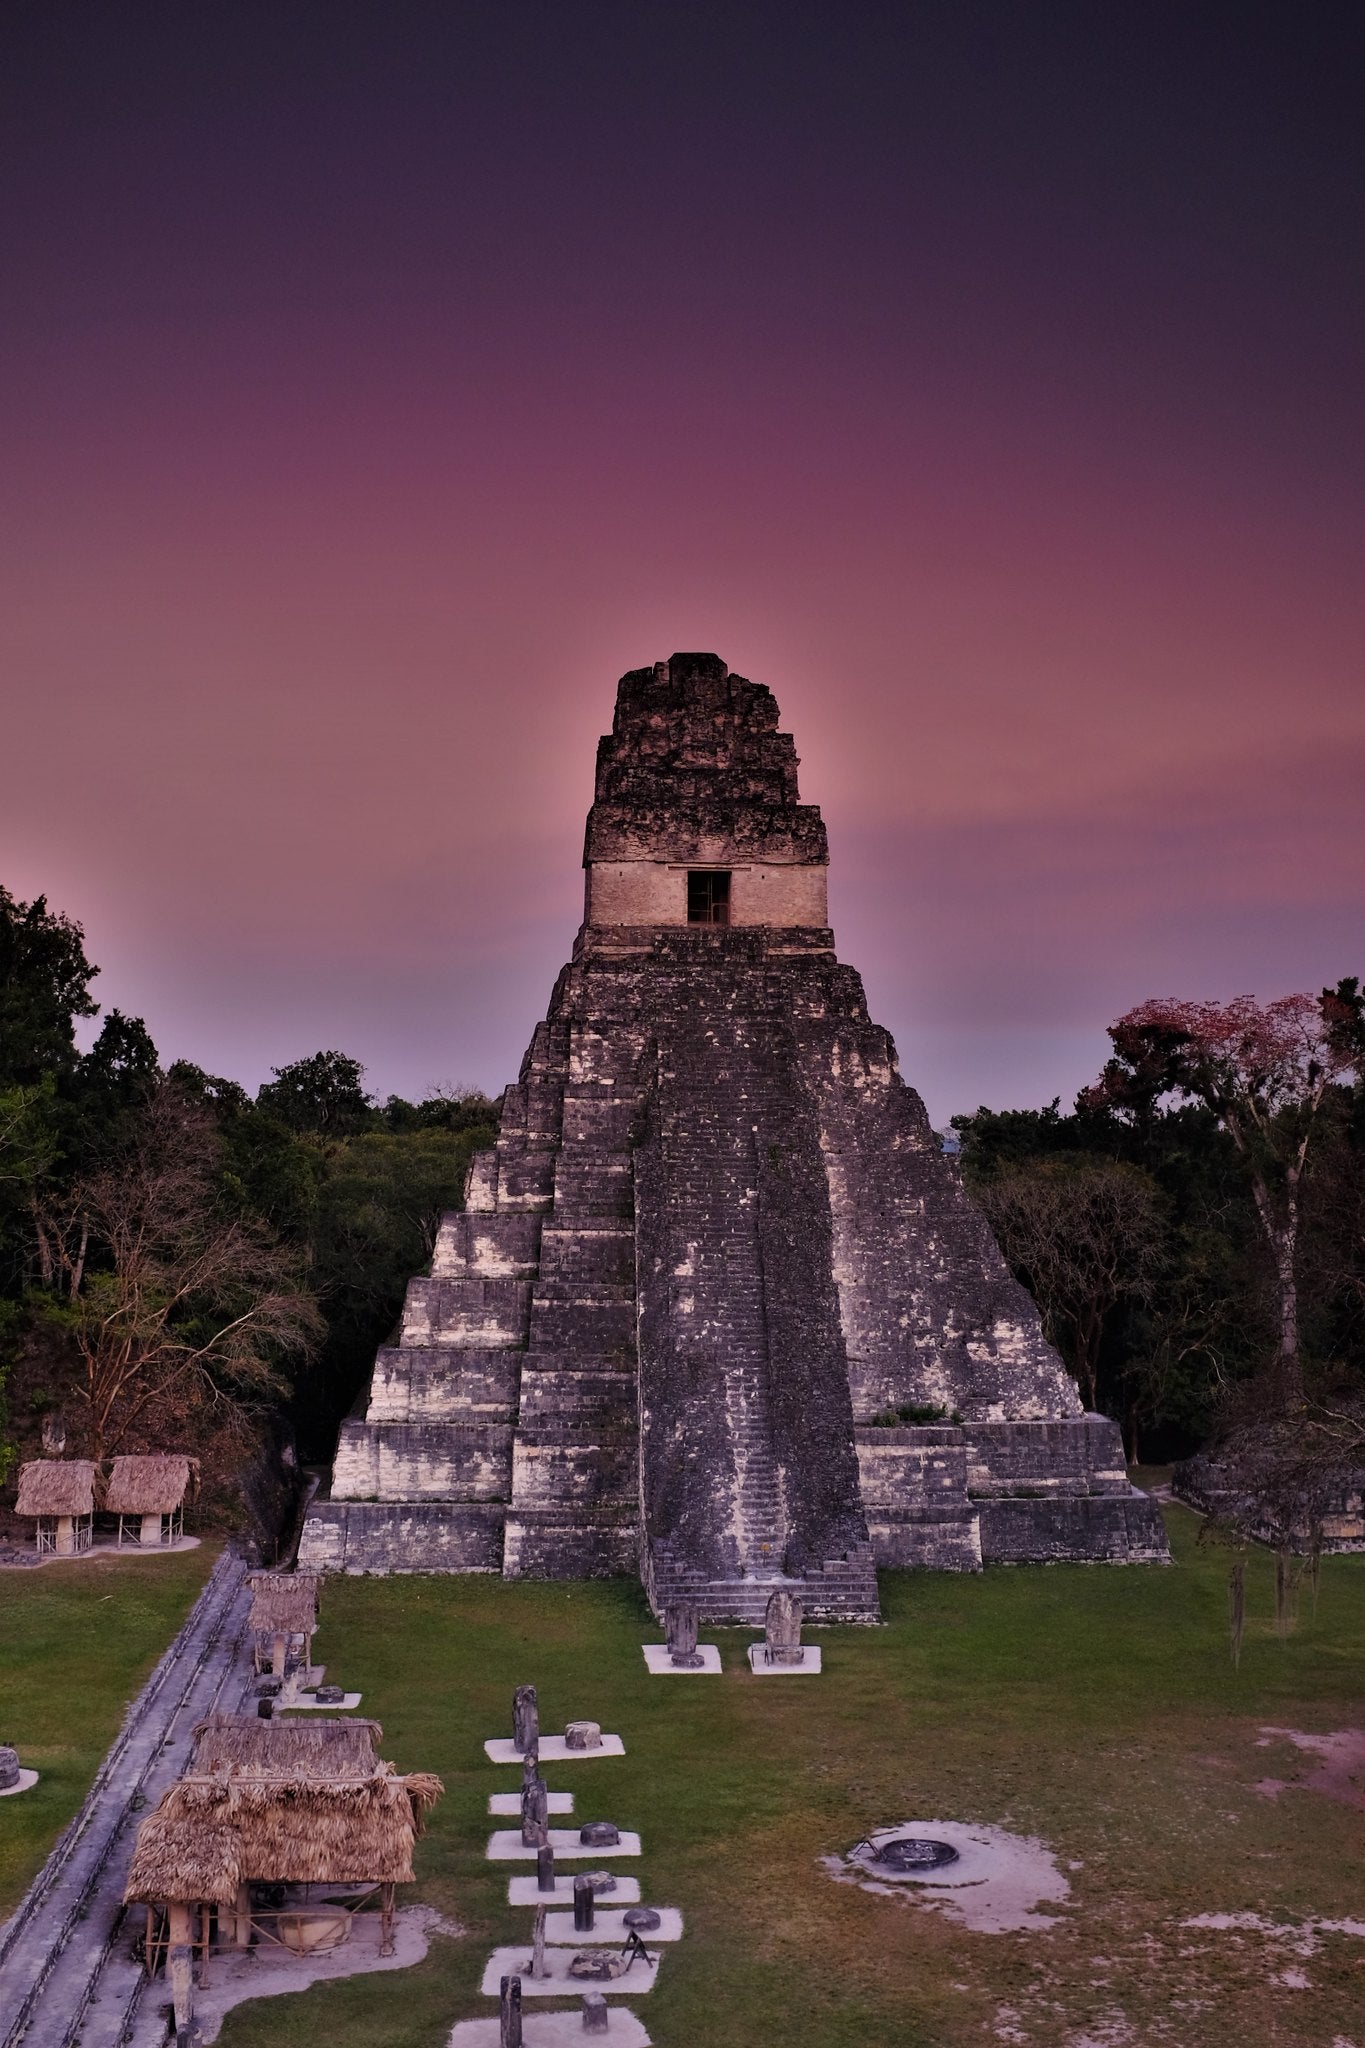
(557, 1983)
(662, 1665)
(506, 1846)
(106, 1547)
(810, 1663)
(608, 1926)
(310, 1706)
(552, 1750)
(553, 2030)
(510, 1802)
(523, 1891)
(27, 1781)
(261, 1972)
(1001, 1883)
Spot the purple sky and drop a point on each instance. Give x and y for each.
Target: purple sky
(378, 383)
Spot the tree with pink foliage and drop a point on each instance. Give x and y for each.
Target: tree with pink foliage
(1265, 1070)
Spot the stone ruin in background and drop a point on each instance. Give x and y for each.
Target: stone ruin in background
(716, 1240)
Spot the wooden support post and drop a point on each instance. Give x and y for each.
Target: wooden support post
(205, 1924)
(386, 1920)
(147, 1963)
(180, 1964)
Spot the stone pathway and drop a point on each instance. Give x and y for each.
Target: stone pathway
(68, 1962)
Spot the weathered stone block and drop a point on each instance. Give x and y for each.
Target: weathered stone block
(403, 1536)
(466, 1310)
(423, 1461)
(1096, 1529)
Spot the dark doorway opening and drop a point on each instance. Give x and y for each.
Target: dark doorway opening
(708, 896)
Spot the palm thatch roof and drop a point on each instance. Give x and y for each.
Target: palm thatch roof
(183, 1859)
(152, 1485)
(319, 1747)
(58, 1486)
(282, 1831)
(283, 1603)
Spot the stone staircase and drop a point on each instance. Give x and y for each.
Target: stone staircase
(842, 1590)
(731, 1521)
(574, 1506)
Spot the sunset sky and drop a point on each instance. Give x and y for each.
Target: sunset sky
(377, 383)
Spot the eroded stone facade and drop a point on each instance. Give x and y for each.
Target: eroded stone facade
(716, 1246)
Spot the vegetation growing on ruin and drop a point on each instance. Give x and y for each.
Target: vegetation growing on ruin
(1097, 1710)
(911, 1412)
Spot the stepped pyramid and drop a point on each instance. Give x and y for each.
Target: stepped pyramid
(716, 1239)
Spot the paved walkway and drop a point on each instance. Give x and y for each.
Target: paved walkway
(70, 1965)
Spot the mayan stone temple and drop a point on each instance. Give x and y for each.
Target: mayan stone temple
(716, 1248)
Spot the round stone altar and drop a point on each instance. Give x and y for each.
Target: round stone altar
(910, 1855)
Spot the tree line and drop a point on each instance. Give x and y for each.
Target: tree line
(1194, 1228)
(184, 1264)
(181, 1264)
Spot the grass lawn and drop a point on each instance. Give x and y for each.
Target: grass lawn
(1094, 1708)
(77, 1642)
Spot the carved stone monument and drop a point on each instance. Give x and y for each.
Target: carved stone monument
(509, 2013)
(538, 1965)
(9, 1767)
(596, 1964)
(717, 1307)
(582, 1735)
(535, 1814)
(782, 1629)
(525, 1719)
(584, 1906)
(595, 2010)
(680, 1635)
(545, 1868)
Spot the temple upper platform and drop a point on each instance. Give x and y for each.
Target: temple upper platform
(696, 816)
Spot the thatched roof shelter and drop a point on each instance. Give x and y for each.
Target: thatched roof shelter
(283, 1603)
(151, 1485)
(319, 1747)
(275, 1830)
(58, 1487)
(188, 1860)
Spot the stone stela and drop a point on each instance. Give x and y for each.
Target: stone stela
(717, 1308)
(782, 1630)
(526, 1720)
(680, 1625)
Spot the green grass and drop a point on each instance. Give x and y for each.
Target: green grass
(1095, 1708)
(76, 1643)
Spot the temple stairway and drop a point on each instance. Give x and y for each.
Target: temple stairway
(735, 1423)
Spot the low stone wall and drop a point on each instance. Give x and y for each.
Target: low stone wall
(1098, 1529)
(403, 1536)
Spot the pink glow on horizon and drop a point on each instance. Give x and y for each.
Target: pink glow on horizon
(340, 487)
